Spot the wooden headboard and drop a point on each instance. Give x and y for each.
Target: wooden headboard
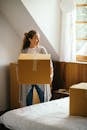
(67, 74)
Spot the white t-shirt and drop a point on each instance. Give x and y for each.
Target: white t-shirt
(38, 49)
(45, 87)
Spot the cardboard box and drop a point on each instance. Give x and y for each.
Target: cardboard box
(78, 100)
(34, 69)
(82, 58)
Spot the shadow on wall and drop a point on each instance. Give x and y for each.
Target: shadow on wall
(58, 79)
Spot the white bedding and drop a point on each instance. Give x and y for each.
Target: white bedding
(53, 115)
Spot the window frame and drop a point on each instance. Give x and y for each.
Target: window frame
(81, 58)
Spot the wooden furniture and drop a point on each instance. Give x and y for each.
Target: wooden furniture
(65, 75)
(14, 87)
(68, 73)
(60, 93)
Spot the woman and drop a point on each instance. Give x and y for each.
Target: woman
(31, 45)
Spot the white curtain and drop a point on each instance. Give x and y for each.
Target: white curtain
(67, 51)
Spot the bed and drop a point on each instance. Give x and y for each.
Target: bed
(52, 115)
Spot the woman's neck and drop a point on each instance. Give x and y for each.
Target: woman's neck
(33, 46)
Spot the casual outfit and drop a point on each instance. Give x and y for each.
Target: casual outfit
(43, 90)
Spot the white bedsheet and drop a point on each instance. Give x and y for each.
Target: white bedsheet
(53, 115)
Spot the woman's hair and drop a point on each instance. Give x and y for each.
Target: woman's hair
(26, 42)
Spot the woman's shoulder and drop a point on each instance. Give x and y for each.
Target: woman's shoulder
(24, 50)
(42, 49)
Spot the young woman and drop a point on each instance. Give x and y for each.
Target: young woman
(31, 45)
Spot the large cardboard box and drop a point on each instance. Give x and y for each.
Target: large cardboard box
(82, 58)
(34, 69)
(78, 100)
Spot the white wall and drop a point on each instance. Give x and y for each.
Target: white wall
(46, 13)
(15, 20)
(9, 51)
(22, 22)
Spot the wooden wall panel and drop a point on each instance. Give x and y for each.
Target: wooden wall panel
(67, 74)
(71, 74)
(83, 72)
(14, 87)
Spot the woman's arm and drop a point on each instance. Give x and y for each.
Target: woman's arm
(44, 51)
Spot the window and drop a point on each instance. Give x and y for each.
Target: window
(81, 24)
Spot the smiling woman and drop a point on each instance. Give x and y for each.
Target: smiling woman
(31, 46)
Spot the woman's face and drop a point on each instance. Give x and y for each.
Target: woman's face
(34, 41)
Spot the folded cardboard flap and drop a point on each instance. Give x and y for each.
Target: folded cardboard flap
(37, 56)
(34, 68)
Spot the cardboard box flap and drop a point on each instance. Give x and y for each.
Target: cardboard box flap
(34, 56)
(79, 86)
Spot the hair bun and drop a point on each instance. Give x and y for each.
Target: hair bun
(26, 34)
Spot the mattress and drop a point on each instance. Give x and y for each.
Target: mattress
(52, 115)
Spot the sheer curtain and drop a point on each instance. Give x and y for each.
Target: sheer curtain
(67, 45)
